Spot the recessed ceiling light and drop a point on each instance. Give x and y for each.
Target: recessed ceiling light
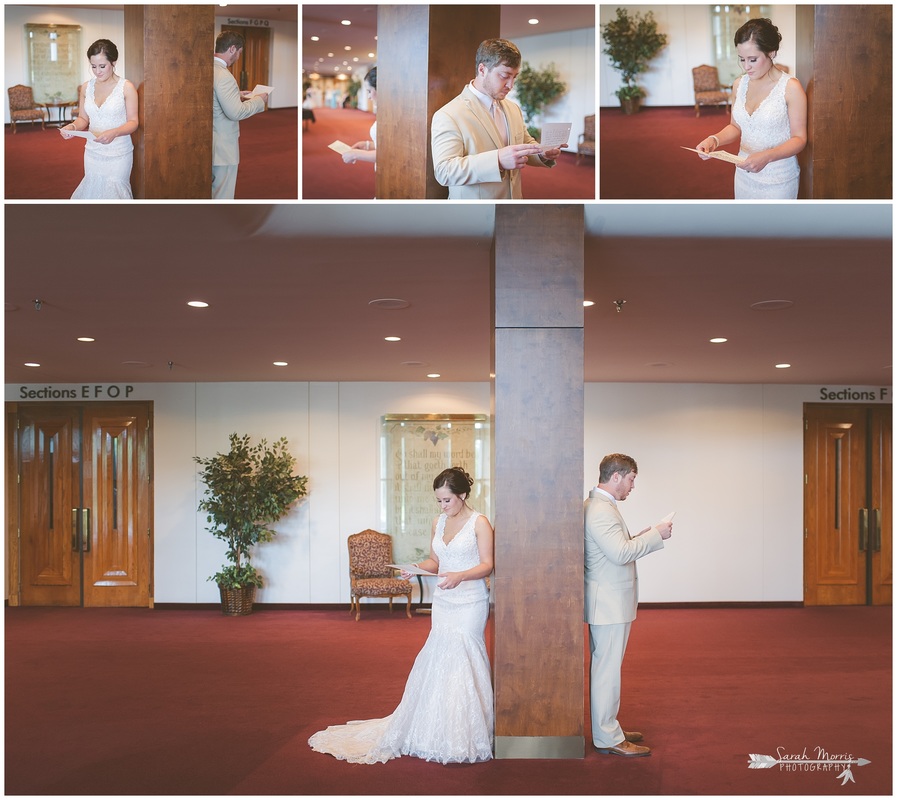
(588, 303)
(345, 22)
(783, 366)
(316, 38)
(197, 303)
(86, 339)
(392, 338)
(772, 305)
(280, 364)
(533, 21)
(719, 340)
(31, 364)
(413, 363)
(433, 375)
(389, 303)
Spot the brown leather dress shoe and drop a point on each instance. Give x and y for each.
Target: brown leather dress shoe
(627, 749)
(633, 736)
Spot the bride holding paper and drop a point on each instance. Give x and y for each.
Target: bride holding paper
(446, 712)
(769, 118)
(107, 116)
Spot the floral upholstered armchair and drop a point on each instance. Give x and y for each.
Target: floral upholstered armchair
(369, 553)
(708, 90)
(22, 107)
(586, 144)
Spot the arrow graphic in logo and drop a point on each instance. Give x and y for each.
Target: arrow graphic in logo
(759, 761)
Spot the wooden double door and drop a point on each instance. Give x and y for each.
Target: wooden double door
(848, 542)
(83, 504)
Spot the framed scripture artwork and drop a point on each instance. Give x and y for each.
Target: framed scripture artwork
(414, 449)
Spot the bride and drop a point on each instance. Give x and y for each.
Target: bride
(446, 713)
(769, 118)
(107, 107)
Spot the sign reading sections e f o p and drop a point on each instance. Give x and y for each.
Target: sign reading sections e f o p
(84, 391)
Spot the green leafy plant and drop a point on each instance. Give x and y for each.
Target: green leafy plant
(536, 89)
(247, 489)
(631, 42)
(353, 87)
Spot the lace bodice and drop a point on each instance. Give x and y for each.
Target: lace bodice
(461, 552)
(769, 125)
(112, 113)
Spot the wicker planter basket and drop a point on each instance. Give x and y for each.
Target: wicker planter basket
(237, 602)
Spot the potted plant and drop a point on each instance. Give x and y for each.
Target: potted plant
(536, 89)
(247, 489)
(631, 42)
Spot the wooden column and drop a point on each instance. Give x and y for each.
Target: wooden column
(537, 399)
(425, 56)
(844, 61)
(169, 51)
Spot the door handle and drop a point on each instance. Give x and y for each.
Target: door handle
(85, 530)
(876, 530)
(864, 529)
(76, 538)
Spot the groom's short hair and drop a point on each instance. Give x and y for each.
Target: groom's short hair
(616, 462)
(227, 39)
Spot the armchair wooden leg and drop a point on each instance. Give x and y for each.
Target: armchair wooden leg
(408, 607)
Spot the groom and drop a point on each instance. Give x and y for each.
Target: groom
(611, 597)
(229, 106)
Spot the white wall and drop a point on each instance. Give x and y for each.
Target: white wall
(109, 24)
(573, 53)
(668, 81)
(727, 458)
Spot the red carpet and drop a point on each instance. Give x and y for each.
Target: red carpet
(41, 165)
(135, 701)
(326, 177)
(641, 157)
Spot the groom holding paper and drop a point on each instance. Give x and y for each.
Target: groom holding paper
(479, 139)
(611, 597)
(229, 106)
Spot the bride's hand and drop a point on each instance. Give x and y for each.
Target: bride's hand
(755, 162)
(66, 132)
(450, 580)
(106, 137)
(706, 146)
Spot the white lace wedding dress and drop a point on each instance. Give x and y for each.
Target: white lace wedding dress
(107, 167)
(769, 126)
(446, 713)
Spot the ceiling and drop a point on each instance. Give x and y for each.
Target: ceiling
(327, 56)
(294, 283)
(283, 13)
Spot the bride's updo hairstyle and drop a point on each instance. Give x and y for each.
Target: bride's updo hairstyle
(103, 47)
(763, 33)
(456, 480)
